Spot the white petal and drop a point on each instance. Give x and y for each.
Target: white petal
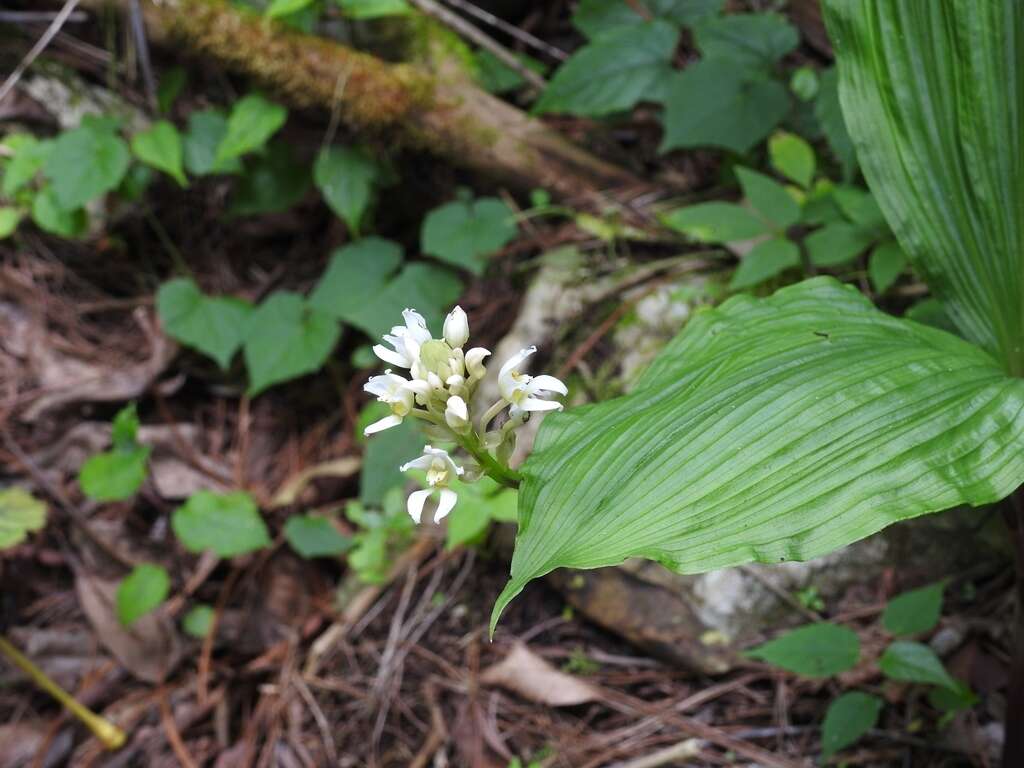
(416, 326)
(415, 503)
(391, 356)
(419, 386)
(386, 423)
(457, 407)
(536, 404)
(456, 328)
(422, 462)
(547, 383)
(475, 362)
(445, 504)
(513, 362)
(377, 385)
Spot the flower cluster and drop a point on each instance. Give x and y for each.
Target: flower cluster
(442, 379)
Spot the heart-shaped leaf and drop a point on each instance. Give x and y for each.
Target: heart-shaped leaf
(228, 524)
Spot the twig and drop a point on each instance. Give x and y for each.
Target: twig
(31, 17)
(38, 48)
(172, 733)
(478, 36)
(684, 750)
(510, 29)
(138, 29)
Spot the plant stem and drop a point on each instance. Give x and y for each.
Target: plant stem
(109, 734)
(495, 469)
(1013, 746)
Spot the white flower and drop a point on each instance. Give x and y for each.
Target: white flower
(456, 414)
(406, 341)
(456, 328)
(393, 390)
(440, 471)
(475, 363)
(526, 392)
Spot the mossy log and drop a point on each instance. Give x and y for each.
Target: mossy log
(398, 105)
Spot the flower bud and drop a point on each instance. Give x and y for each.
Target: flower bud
(475, 363)
(456, 328)
(456, 415)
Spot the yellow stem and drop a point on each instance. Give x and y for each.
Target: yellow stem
(109, 734)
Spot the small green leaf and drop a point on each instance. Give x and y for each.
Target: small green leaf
(886, 263)
(804, 83)
(952, 700)
(495, 76)
(915, 663)
(859, 206)
(465, 233)
(198, 621)
(614, 72)
(384, 454)
(347, 177)
(172, 81)
(144, 589)
(479, 504)
(315, 536)
(792, 157)
(769, 198)
(279, 8)
(765, 260)
(114, 475)
(354, 278)
(214, 325)
(597, 17)
(9, 219)
(430, 288)
(836, 244)
(253, 120)
(85, 163)
(848, 718)
(206, 130)
(20, 514)
(273, 181)
(125, 428)
(373, 9)
(29, 156)
(915, 611)
(816, 650)
(286, 338)
(716, 222)
(160, 147)
(721, 104)
(756, 40)
(50, 217)
(228, 524)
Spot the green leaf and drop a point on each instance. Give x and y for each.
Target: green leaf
(172, 81)
(755, 40)
(20, 514)
(614, 72)
(804, 83)
(315, 536)
(429, 288)
(495, 76)
(279, 8)
(830, 118)
(253, 120)
(915, 611)
(479, 503)
(347, 177)
(29, 156)
(715, 222)
(597, 17)
(125, 428)
(848, 718)
(915, 663)
(950, 700)
(50, 217)
(465, 233)
(9, 219)
(815, 650)
(886, 263)
(721, 104)
(353, 280)
(135, 183)
(792, 157)
(384, 454)
(160, 147)
(198, 621)
(114, 475)
(769, 198)
(859, 206)
(214, 325)
(836, 244)
(944, 157)
(272, 182)
(84, 164)
(228, 524)
(765, 260)
(770, 430)
(206, 130)
(141, 591)
(286, 338)
(373, 9)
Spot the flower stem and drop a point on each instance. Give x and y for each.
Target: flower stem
(494, 468)
(109, 734)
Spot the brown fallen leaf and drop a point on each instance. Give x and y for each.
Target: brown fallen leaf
(531, 677)
(289, 492)
(150, 649)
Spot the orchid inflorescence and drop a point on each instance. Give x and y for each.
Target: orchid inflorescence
(442, 381)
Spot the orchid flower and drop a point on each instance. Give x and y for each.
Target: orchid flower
(525, 392)
(393, 390)
(441, 469)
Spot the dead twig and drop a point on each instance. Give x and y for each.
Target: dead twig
(171, 731)
(510, 29)
(40, 46)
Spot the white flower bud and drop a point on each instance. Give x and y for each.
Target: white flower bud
(456, 328)
(456, 415)
(475, 363)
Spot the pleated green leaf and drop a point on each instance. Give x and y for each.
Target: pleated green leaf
(933, 96)
(770, 430)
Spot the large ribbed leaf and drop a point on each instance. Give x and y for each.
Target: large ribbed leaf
(769, 430)
(933, 95)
